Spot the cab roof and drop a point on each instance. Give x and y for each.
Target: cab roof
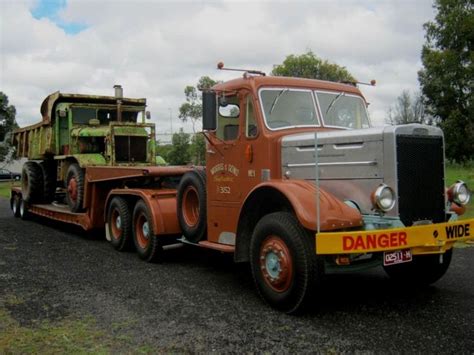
(50, 102)
(256, 82)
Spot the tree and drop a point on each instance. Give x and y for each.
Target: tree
(310, 66)
(179, 154)
(409, 110)
(192, 108)
(7, 125)
(197, 149)
(447, 78)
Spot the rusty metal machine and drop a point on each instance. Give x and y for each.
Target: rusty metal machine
(78, 131)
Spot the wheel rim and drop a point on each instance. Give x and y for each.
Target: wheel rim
(142, 231)
(72, 189)
(276, 264)
(191, 206)
(15, 206)
(116, 224)
(22, 208)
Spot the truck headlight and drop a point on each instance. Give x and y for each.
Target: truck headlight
(459, 193)
(384, 198)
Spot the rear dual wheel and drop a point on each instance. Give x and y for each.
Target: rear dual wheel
(146, 242)
(119, 224)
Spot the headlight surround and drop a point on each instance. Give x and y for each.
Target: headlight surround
(459, 193)
(384, 198)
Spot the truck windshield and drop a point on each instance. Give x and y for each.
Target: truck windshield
(343, 110)
(285, 108)
(82, 115)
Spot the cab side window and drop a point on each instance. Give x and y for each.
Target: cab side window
(228, 118)
(250, 122)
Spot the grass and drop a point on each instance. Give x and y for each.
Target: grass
(5, 187)
(70, 335)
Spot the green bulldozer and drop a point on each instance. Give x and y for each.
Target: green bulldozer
(78, 131)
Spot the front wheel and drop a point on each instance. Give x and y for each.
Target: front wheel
(74, 187)
(284, 265)
(147, 244)
(422, 271)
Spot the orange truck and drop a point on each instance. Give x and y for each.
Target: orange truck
(297, 182)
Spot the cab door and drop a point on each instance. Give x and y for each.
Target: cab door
(224, 155)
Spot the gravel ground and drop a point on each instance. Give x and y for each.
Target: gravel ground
(199, 301)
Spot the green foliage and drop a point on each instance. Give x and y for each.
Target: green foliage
(197, 150)
(192, 108)
(408, 109)
(447, 77)
(164, 151)
(179, 154)
(310, 66)
(7, 125)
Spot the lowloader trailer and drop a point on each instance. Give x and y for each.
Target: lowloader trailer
(297, 182)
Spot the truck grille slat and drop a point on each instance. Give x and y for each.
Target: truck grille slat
(130, 149)
(420, 172)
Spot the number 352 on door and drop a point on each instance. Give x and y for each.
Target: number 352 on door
(223, 189)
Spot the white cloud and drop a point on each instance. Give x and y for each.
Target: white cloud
(156, 48)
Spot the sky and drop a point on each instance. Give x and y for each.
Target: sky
(154, 49)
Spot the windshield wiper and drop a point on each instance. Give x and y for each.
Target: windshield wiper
(334, 101)
(276, 99)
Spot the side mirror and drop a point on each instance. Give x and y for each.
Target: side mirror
(209, 103)
(148, 115)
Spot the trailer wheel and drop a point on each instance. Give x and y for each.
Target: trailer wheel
(283, 261)
(23, 208)
(49, 181)
(146, 243)
(423, 270)
(75, 187)
(192, 209)
(31, 182)
(119, 222)
(15, 204)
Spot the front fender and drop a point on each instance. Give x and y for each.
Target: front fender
(92, 159)
(334, 214)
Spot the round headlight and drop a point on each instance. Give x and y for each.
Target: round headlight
(460, 193)
(384, 198)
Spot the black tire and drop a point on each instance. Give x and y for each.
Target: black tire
(49, 173)
(23, 208)
(15, 205)
(119, 224)
(74, 187)
(284, 264)
(31, 182)
(192, 205)
(146, 242)
(423, 270)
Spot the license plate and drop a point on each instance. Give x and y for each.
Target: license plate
(397, 257)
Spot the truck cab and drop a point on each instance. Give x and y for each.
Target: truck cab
(298, 183)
